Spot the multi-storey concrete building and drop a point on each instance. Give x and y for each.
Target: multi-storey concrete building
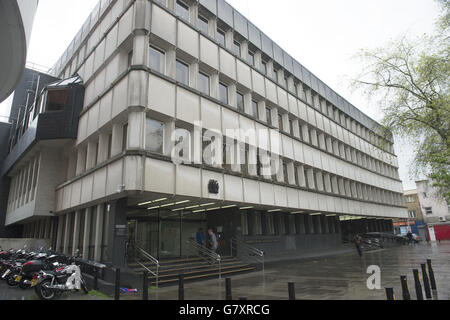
(415, 221)
(163, 74)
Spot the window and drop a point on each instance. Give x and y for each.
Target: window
(428, 210)
(221, 37)
(268, 116)
(157, 60)
(285, 173)
(223, 93)
(124, 137)
(251, 58)
(182, 10)
(240, 101)
(291, 126)
(202, 24)
(203, 83)
(56, 100)
(280, 122)
(154, 136)
(109, 145)
(409, 199)
(412, 214)
(255, 109)
(237, 48)
(296, 175)
(264, 67)
(182, 72)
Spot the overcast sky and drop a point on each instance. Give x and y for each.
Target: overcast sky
(323, 35)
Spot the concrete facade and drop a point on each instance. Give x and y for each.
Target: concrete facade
(152, 70)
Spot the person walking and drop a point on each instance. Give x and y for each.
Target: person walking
(409, 235)
(357, 240)
(212, 241)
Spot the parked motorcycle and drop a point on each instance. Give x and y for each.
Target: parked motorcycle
(52, 284)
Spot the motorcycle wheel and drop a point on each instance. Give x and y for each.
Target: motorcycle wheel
(23, 285)
(11, 280)
(44, 292)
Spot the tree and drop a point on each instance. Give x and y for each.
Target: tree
(411, 81)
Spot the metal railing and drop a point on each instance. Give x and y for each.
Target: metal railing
(140, 255)
(205, 254)
(247, 251)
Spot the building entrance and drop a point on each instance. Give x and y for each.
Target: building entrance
(164, 233)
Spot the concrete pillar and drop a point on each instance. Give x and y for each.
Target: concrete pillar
(310, 178)
(103, 141)
(319, 180)
(117, 137)
(171, 57)
(59, 233)
(321, 141)
(295, 128)
(325, 226)
(81, 160)
(301, 176)
(98, 233)
(117, 233)
(136, 130)
(262, 110)
(305, 132)
(87, 232)
(91, 155)
(327, 180)
(76, 231)
(67, 233)
(291, 172)
(214, 85)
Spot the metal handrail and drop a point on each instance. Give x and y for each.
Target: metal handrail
(252, 252)
(147, 256)
(205, 254)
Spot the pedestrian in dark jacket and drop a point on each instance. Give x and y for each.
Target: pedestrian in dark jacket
(357, 240)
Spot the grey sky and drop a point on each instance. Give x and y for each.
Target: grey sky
(327, 34)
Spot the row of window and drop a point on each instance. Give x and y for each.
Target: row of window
(257, 223)
(157, 63)
(23, 185)
(281, 77)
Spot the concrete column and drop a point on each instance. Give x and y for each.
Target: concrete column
(103, 141)
(301, 176)
(319, 181)
(262, 110)
(117, 233)
(136, 130)
(214, 85)
(67, 233)
(314, 141)
(232, 98)
(285, 121)
(98, 233)
(117, 137)
(325, 227)
(193, 74)
(76, 231)
(244, 50)
(321, 139)
(229, 39)
(310, 176)
(305, 132)
(81, 160)
(327, 180)
(30, 180)
(169, 128)
(248, 103)
(171, 57)
(291, 172)
(295, 128)
(91, 155)
(258, 60)
(87, 232)
(269, 66)
(140, 50)
(59, 233)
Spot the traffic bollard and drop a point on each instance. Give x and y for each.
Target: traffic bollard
(145, 286)
(117, 285)
(426, 281)
(419, 293)
(228, 289)
(291, 290)
(431, 273)
(181, 286)
(390, 294)
(405, 290)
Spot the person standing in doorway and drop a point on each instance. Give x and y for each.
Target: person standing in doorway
(357, 240)
(212, 241)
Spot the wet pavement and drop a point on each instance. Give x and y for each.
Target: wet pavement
(341, 277)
